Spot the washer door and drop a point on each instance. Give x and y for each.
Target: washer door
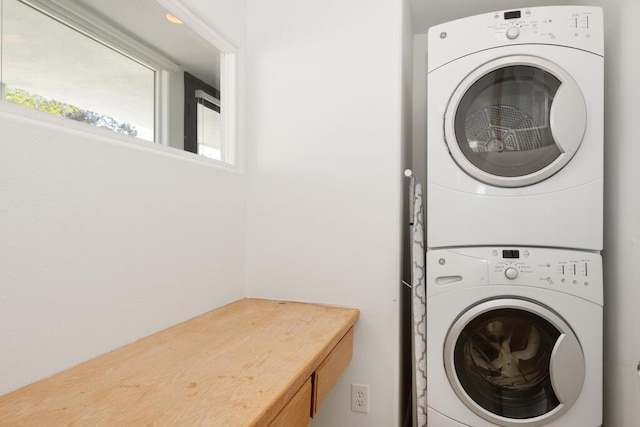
(515, 121)
(514, 362)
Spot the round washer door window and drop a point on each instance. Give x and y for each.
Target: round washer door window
(515, 121)
(514, 362)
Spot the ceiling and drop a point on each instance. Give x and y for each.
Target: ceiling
(426, 13)
(144, 20)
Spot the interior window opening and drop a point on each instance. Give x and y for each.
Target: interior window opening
(94, 62)
(49, 66)
(202, 118)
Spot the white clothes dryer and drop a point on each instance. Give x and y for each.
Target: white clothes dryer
(515, 129)
(514, 337)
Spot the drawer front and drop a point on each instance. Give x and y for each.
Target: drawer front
(330, 369)
(296, 412)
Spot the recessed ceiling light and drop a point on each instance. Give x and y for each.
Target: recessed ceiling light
(173, 18)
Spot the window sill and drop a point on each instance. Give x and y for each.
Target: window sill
(41, 119)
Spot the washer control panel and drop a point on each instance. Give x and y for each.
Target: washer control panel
(575, 272)
(532, 265)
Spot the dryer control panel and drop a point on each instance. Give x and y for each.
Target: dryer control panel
(574, 272)
(534, 23)
(579, 27)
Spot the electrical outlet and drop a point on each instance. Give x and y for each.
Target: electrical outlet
(360, 398)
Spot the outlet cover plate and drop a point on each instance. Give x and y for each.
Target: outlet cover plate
(360, 398)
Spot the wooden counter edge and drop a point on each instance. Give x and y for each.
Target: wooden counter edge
(274, 407)
(311, 367)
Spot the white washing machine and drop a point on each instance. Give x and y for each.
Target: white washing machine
(515, 129)
(514, 337)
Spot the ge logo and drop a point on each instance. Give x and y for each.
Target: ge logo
(442, 261)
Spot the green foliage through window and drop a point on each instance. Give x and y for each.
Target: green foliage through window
(57, 108)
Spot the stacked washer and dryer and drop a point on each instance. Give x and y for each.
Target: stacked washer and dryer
(515, 219)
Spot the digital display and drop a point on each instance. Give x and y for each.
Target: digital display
(512, 15)
(510, 253)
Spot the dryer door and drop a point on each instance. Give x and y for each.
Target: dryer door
(514, 362)
(515, 121)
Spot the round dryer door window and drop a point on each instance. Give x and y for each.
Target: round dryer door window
(514, 362)
(515, 121)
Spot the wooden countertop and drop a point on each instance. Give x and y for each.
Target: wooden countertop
(235, 366)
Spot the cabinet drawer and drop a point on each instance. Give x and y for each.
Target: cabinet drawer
(330, 369)
(296, 411)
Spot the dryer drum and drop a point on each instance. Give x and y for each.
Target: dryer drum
(500, 128)
(502, 121)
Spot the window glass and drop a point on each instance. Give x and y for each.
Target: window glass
(208, 123)
(502, 359)
(202, 119)
(502, 124)
(49, 66)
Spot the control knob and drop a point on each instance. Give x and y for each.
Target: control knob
(513, 32)
(511, 273)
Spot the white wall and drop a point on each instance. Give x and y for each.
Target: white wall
(406, 319)
(103, 241)
(325, 176)
(419, 157)
(622, 187)
(622, 213)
